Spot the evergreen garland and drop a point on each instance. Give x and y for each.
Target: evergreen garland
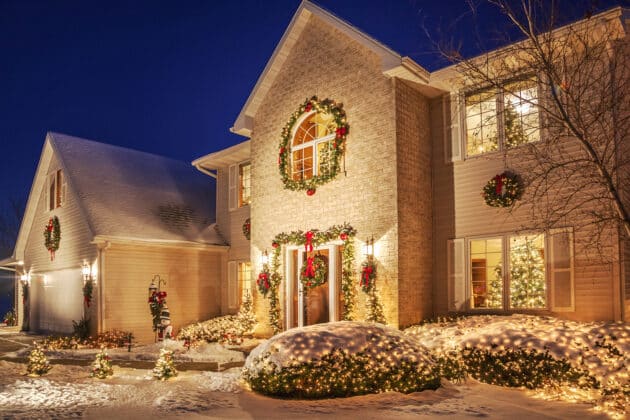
(38, 364)
(88, 287)
(343, 232)
(247, 228)
(165, 367)
(102, 365)
(331, 154)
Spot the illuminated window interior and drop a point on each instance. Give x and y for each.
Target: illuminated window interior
(244, 279)
(56, 190)
(311, 146)
(245, 184)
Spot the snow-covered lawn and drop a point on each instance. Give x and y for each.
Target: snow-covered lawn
(601, 348)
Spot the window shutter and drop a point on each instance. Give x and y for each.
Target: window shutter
(456, 262)
(232, 187)
(232, 285)
(561, 270)
(451, 111)
(64, 187)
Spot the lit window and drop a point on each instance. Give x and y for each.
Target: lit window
(245, 188)
(514, 109)
(526, 281)
(56, 190)
(244, 279)
(312, 146)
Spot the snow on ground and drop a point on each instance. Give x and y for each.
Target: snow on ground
(203, 352)
(583, 344)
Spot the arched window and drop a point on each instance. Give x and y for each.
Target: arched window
(312, 145)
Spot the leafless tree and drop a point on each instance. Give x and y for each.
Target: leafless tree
(10, 217)
(580, 170)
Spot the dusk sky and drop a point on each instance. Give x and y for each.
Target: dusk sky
(170, 77)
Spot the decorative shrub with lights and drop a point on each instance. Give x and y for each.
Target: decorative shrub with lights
(340, 359)
(108, 339)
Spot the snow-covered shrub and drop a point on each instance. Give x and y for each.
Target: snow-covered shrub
(37, 362)
(165, 367)
(224, 329)
(339, 359)
(102, 365)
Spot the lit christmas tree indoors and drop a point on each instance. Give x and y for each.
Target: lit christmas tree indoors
(527, 272)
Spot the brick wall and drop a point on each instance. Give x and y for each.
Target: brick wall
(327, 63)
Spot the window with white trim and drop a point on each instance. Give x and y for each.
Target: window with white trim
(514, 272)
(497, 120)
(239, 282)
(239, 185)
(311, 146)
(56, 190)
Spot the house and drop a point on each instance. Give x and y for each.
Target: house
(124, 218)
(351, 145)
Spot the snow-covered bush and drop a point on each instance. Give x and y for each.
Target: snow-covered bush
(224, 329)
(339, 359)
(38, 364)
(534, 352)
(102, 365)
(165, 366)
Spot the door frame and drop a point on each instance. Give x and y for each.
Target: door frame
(292, 274)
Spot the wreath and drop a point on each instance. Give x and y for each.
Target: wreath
(247, 229)
(315, 272)
(52, 236)
(368, 276)
(88, 287)
(263, 282)
(334, 151)
(502, 190)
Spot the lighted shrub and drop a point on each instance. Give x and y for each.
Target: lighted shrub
(339, 359)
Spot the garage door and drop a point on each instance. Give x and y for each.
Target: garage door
(56, 300)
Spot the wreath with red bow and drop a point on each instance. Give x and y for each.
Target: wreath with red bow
(335, 151)
(502, 190)
(315, 272)
(263, 282)
(52, 236)
(368, 276)
(247, 228)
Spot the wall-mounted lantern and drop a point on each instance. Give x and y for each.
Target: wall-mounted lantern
(25, 278)
(264, 258)
(368, 248)
(87, 272)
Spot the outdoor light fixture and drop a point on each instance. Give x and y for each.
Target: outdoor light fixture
(368, 248)
(264, 258)
(87, 272)
(25, 279)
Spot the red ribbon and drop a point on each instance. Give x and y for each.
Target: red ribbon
(308, 245)
(367, 272)
(310, 270)
(86, 299)
(499, 184)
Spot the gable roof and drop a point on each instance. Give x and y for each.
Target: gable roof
(126, 194)
(392, 63)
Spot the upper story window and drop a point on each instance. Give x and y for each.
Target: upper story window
(502, 119)
(245, 184)
(56, 190)
(311, 146)
(239, 185)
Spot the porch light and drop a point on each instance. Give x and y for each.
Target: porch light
(25, 279)
(264, 258)
(368, 248)
(86, 271)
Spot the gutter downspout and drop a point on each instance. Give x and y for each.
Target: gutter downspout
(206, 171)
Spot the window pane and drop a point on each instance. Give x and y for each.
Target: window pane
(520, 113)
(481, 123)
(324, 151)
(486, 262)
(51, 192)
(58, 197)
(528, 286)
(245, 190)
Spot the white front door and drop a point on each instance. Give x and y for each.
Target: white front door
(318, 304)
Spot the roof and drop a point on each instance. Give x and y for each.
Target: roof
(128, 194)
(392, 63)
(225, 157)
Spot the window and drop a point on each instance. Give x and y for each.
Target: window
(312, 146)
(244, 186)
(239, 185)
(56, 190)
(239, 282)
(503, 119)
(525, 278)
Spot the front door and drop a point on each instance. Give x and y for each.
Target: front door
(317, 304)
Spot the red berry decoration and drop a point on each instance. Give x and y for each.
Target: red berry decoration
(310, 191)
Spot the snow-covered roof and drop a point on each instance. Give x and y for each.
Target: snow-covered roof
(225, 157)
(129, 195)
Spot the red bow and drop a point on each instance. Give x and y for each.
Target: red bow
(86, 299)
(367, 272)
(310, 270)
(499, 184)
(308, 245)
